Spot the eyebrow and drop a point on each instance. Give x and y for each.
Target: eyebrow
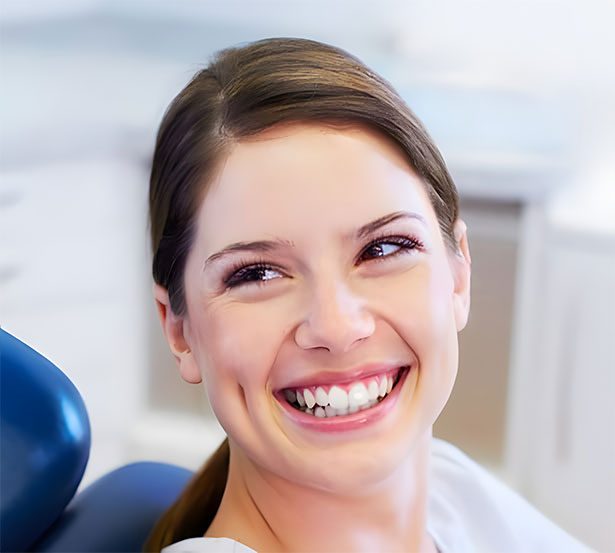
(279, 243)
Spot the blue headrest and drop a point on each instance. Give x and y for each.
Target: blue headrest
(44, 443)
(118, 511)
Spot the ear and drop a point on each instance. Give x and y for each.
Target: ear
(175, 331)
(461, 263)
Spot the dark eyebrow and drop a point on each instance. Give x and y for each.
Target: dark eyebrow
(369, 228)
(257, 246)
(278, 243)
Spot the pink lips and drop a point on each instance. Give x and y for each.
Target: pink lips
(338, 377)
(347, 422)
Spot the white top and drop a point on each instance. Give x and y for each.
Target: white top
(469, 511)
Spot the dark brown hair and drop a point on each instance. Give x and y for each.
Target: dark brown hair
(243, 91)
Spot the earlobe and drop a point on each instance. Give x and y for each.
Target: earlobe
(461, 266)
(174, 329)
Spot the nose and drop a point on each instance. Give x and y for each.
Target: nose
(337, 319)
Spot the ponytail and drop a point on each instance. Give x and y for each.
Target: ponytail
(196, 507)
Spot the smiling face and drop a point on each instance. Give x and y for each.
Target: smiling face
(322, 299)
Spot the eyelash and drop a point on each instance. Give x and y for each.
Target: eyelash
(242, 268)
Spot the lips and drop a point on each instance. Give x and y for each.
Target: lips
(339, 377)
(325, 408)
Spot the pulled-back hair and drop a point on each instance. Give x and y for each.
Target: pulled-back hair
(243, 91)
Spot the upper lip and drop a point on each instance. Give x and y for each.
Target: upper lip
(345, 376)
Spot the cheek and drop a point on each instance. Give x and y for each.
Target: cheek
(237, 347)
(424, 316)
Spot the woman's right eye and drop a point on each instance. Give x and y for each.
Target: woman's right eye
(251, 274)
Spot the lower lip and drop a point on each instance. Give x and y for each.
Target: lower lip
(343, 423)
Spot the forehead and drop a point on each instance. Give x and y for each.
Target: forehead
(304, 177)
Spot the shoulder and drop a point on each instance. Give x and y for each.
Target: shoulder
(470, 506)
(207, 545)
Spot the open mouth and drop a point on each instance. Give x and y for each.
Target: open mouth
(340, 400)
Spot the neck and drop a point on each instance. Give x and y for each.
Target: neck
(268, 513)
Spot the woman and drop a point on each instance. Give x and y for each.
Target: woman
(312, 271)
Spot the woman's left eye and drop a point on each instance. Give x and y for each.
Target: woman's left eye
(383, 246)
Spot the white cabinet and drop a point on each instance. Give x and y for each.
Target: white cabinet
(475, 416)
(567, 466)
(69, 230)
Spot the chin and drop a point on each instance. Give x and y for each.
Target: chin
(352, 468)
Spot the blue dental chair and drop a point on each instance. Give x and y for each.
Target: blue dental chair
(45, 445)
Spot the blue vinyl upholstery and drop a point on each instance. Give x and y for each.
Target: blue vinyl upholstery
(45, 445)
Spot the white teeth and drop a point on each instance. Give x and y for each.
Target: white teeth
(357, 395)
(330, 411)
(338, 398)
(300, 398)
(337, 402)
(322, 398)
(382, 389)
(309, 398)
(372, 390)
(319, 412)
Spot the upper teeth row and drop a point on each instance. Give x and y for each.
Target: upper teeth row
(358, 394)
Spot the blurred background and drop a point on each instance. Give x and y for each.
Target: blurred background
(520, 98)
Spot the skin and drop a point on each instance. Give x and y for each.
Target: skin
(328, 303)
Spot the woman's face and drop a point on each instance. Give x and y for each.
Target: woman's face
(322, 304)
